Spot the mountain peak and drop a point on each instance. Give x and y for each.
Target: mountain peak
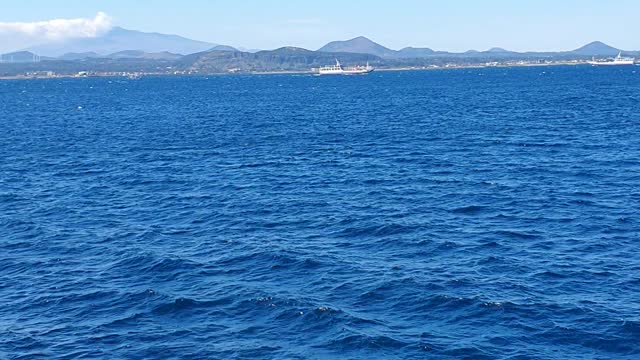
(596, 48)
(358, 45)
(596, 43)
(223, 48)
(291, 49)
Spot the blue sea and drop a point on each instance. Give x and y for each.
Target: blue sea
(446, 214)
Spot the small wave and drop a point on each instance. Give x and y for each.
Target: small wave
(377, 230)
(447, 246)
(271, 260)
(517, 235)
(551, 275)
(448, 301)
(491, 260)
(182, 305)
(470, 210)
(395, 289)
(632, 327)
(151, 264)
(490, 245)
(359, 342)
(468, 352)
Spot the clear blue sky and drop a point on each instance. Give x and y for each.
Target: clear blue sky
(444, 25)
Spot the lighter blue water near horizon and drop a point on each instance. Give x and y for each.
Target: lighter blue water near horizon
(463, 214)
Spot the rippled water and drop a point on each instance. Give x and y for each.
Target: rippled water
(467, 214)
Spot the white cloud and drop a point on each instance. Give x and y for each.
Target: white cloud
(58, 29)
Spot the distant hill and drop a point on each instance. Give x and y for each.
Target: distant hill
(223, 48)
(359, 45)
(411, 52)
(288, 51)
(283, 59)
(243, 49)
(137, 54)
(497, 50)
(119, 39)
(126, 54)
(596, 48)
(19, 57)
(79, 56)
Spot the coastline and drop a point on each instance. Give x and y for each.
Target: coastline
(430, 68)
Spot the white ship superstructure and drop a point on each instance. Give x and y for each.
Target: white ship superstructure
(618, 60)
(338, 69)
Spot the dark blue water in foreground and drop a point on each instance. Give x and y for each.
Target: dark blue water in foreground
(466, 214)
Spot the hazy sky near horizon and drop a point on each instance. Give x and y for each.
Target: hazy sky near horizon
(454, 25)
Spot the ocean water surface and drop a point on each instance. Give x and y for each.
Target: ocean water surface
(451, 214)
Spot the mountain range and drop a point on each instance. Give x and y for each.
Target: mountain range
(366, 46)
(122, 50)
(118, 40)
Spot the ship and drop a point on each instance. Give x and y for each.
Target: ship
(618, 60)
(338, 69)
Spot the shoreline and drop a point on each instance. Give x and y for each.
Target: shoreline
(293, 72)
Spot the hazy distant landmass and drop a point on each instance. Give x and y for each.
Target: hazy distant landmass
(19, 57)
(119, 39)
(122, 50)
